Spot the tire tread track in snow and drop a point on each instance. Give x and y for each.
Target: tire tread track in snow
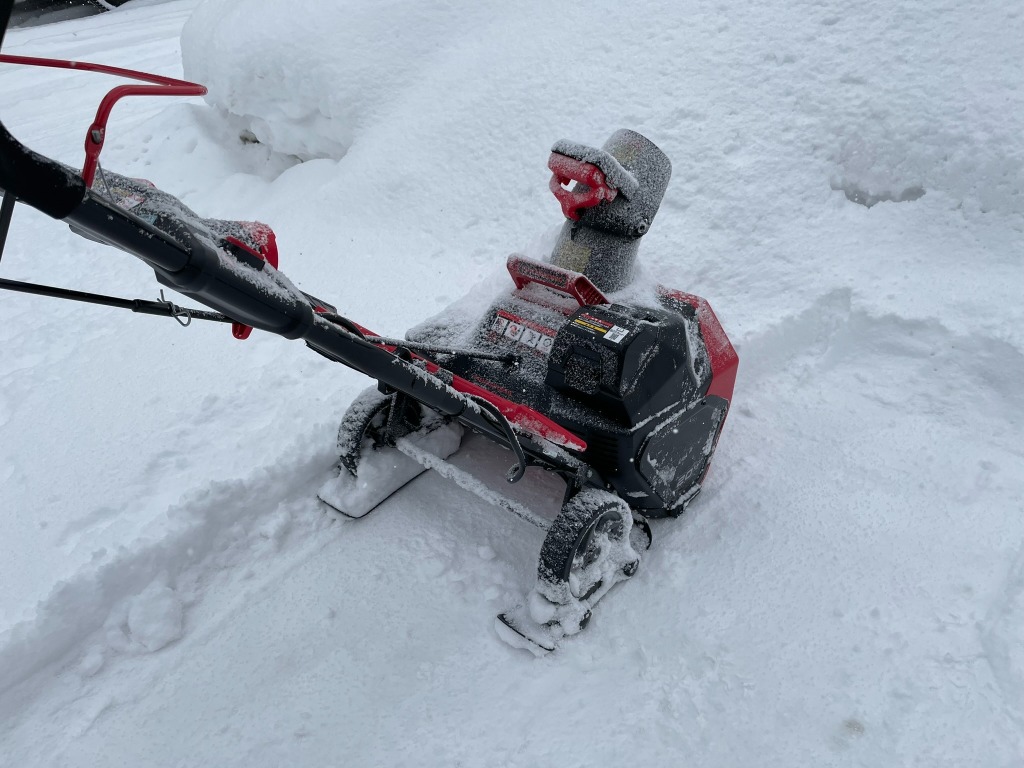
(221, 527)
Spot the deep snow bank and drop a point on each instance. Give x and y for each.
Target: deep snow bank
(907, 98)
(446, 111)
(312, 76)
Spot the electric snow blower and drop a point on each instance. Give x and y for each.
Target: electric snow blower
(624, 400)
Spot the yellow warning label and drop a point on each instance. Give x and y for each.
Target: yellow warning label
(589, 326)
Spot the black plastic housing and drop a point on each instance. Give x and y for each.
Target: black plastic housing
(632, 381)
(625, 362)
(646, 372)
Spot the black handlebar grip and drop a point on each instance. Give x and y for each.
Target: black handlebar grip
(42, 183)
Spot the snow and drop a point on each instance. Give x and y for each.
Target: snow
(848, 588)
(435, 461)
(152, 619)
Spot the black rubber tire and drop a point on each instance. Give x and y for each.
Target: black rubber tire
(572, 531)
(350, 435)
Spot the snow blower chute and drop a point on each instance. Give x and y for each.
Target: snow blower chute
(623, 400)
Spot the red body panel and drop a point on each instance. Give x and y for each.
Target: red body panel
(724, 360)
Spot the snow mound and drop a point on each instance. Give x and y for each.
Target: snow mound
(151, 620)
(313, 79)
(310, 77)
(230, 523)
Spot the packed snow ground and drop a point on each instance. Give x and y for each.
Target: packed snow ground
(848, 590)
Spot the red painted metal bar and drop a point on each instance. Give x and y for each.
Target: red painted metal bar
(97, 133)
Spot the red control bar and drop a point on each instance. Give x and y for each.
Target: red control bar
(97, 133)
(525, 271)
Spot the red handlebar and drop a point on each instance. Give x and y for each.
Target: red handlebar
(97, 133)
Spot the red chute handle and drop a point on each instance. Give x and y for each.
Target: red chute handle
(596, 189)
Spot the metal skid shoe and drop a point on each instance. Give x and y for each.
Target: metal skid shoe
(371, 468)
(592, 545)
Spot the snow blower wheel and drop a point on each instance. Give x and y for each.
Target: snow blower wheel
(581, 546)
(587, 551)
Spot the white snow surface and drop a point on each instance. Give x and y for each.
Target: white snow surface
(848, 589)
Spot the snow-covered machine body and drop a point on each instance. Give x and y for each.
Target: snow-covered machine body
(622, 393)
(633, 394)
(632, 382)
